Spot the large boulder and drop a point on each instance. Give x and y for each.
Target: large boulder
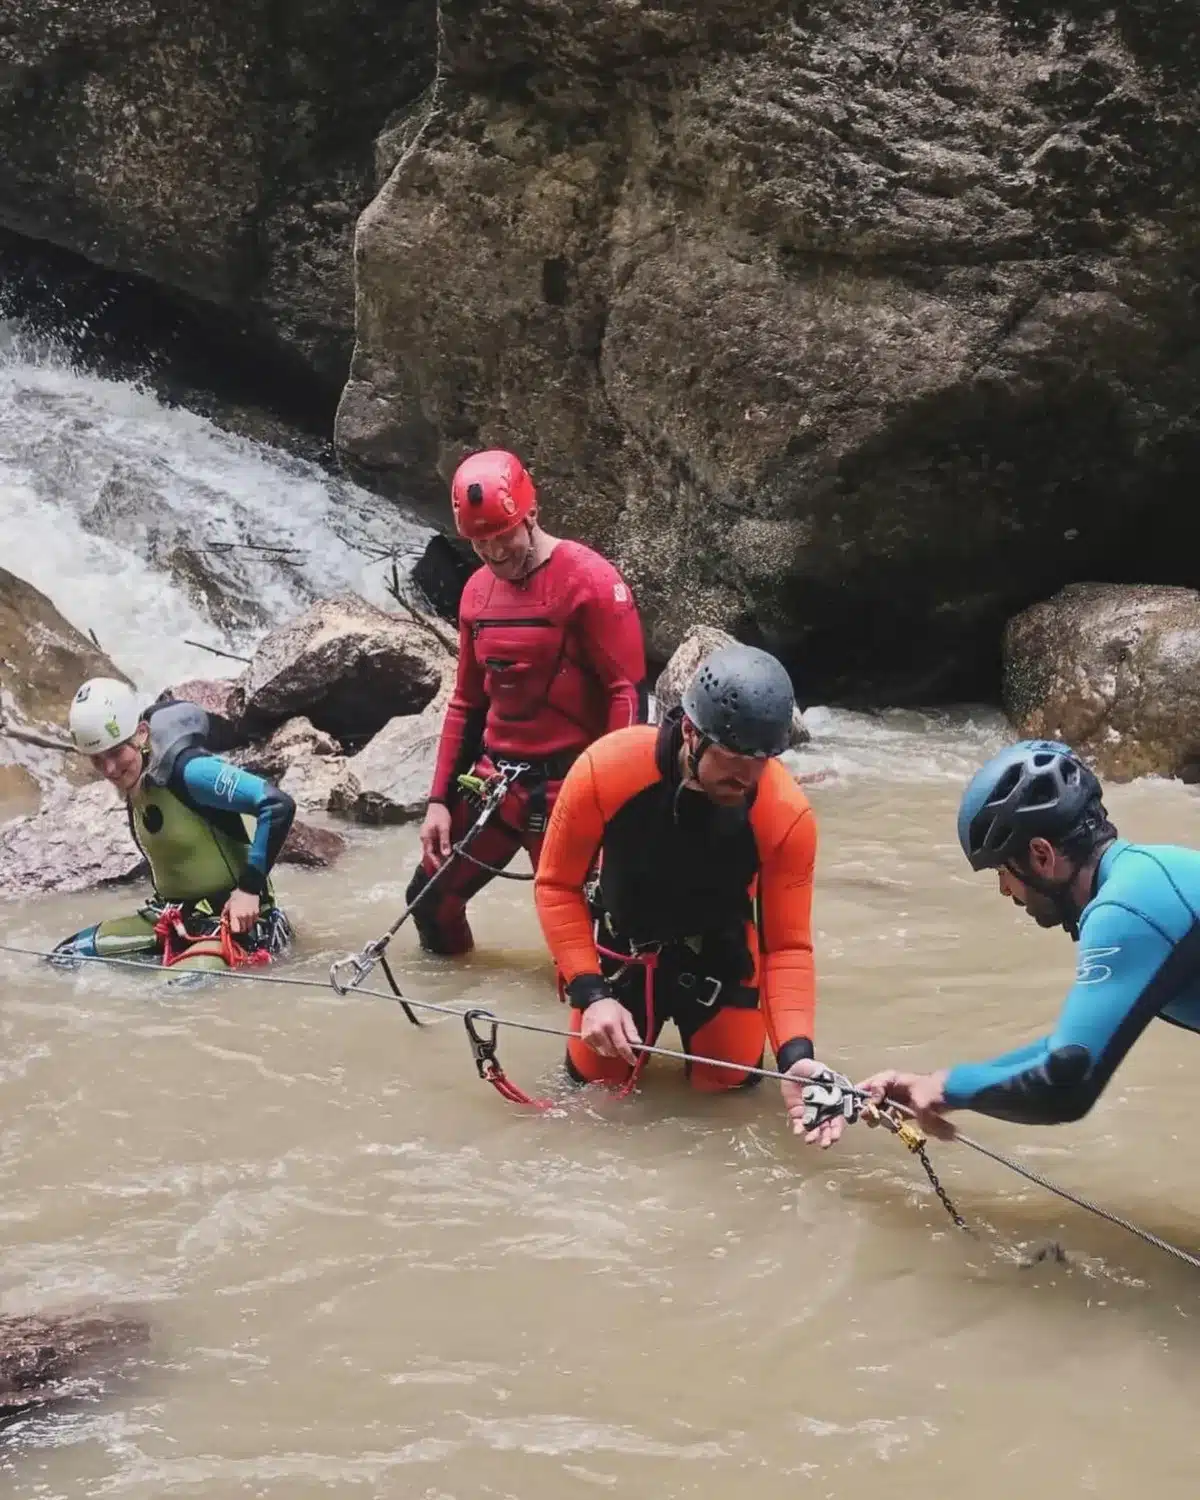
(678, 672)
(859, 325)
(223, 148)
(348, 667)
(389, 780)
(1113, 670)
(43, 659)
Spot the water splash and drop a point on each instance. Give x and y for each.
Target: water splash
(148, 525)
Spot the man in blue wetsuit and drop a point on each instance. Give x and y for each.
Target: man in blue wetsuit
(188, 811)
(1035, 814)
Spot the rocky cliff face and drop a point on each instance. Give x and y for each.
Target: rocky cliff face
(850, 327)
(224, 149)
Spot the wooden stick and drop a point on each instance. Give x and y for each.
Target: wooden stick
(216, 650)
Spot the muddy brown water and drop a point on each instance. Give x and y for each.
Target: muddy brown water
(369, 1275)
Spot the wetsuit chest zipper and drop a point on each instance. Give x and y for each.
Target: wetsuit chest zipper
(531, 620)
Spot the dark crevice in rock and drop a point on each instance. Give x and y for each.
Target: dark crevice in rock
(189, 353)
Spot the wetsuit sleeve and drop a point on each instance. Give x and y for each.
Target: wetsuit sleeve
(787, 976)
(574, 835)
(208, 781)
(611, 642)
(1124, 978)
(462, 728)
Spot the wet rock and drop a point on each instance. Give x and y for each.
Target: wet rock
(389, 781)
(224, 149)
(80, 840)
(314, 848)
(857, 325)
(441, 573)
(295, 740)
(214, 696)
(43, 660)
(1114, 670)
(44, 1359)
(347, 666)
(675, 676)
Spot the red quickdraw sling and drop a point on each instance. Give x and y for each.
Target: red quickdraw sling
(178, 943)
(487, 1064)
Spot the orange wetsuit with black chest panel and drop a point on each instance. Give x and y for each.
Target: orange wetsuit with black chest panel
(723, 895)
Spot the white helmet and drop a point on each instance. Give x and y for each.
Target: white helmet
(104, 714)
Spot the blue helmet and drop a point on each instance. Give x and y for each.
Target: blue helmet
(1035, 789)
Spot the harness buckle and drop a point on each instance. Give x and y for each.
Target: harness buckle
(707, 988)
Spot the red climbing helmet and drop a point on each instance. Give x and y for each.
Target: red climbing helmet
(491, 493)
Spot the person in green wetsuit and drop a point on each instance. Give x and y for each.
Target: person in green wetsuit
(188, 810)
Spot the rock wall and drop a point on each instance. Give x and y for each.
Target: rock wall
(851, 328)
(224, 149)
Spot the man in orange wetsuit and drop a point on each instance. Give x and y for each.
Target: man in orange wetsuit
(701, 910)
(550, 658)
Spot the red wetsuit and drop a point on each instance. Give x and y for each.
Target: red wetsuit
(546, 666)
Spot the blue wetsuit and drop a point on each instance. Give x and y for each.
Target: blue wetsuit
(1139, 957)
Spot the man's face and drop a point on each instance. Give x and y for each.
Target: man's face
(507, 555)
(1046, 863)
(725, 778)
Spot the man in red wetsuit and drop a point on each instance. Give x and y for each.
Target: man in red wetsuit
(551, 657)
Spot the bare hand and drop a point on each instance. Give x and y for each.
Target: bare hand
(435, 833)
(608, 1029)
(828, 1131)
(923, 1093)
(241, 911)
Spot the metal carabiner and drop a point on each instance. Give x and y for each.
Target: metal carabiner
(359, 964)
(483, 1048)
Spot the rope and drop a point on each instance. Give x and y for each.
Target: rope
(457, 1013)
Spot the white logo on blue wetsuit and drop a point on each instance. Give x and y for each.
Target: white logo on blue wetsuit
(1091, 970)
(227, 782)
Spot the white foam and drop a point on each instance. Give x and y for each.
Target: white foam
(100, 483)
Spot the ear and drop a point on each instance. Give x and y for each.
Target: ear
(1042, 857)
(141, 735)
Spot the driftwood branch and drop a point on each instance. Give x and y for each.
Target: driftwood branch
(32, 736)
(392, 586)
(216, 650)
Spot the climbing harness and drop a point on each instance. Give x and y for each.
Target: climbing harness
(490, 794)
(179, 944)
(482, 1027)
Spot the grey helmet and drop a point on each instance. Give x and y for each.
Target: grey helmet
(741, 699)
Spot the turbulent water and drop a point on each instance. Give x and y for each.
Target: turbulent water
(150, 527)
(369, 1275)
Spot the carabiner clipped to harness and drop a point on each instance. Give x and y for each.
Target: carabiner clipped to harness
(487, 1064)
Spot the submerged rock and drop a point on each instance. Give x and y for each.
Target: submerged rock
(347, 666)
(1114, 671)
(678, 672)
(50, 1358)
(863, 324)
